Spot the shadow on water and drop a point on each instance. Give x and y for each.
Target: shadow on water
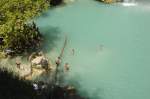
(51, 36)
(96, 93)
(44, 15)
(90, 94)
(49, 12)
(12, 87)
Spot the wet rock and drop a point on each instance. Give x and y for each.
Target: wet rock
(32, 56)
(108, 1)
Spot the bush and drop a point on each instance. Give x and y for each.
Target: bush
(17, 35)
(23, 39)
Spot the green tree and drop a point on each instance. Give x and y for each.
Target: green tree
(16, 32)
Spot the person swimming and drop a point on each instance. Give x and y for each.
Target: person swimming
(73, 51)
(58, 61)
(66, 67)
(101, 47)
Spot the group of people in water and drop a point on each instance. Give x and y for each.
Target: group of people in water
(58, 60)
(66, 65)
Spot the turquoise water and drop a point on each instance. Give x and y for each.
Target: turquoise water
(111, 43)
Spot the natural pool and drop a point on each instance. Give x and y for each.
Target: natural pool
(111, 43)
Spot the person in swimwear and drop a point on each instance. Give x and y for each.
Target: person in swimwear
(73, 51)
(58, 61)
(66, 67)
(101, 47)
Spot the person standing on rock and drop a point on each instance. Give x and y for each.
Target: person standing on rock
(18, 63)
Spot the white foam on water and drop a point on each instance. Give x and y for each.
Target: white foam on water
(129, 4)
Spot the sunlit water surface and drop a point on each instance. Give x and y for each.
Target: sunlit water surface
(111, 43)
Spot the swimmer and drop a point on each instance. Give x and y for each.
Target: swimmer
(66, 67)
(58, 61)
(72, 51)
(100, 47)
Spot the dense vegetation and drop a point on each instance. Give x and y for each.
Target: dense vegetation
(15, 31)
(19, 34)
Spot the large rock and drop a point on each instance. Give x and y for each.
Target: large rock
(111, 1)
(40, 62)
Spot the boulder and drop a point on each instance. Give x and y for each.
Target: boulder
(111, 1)
(40, 62)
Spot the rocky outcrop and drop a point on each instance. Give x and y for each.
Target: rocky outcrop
(110, 1)
(107, 1)
(38, 60)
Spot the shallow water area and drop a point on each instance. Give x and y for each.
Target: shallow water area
(111, 47)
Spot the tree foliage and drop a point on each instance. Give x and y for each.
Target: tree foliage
(16, 32)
